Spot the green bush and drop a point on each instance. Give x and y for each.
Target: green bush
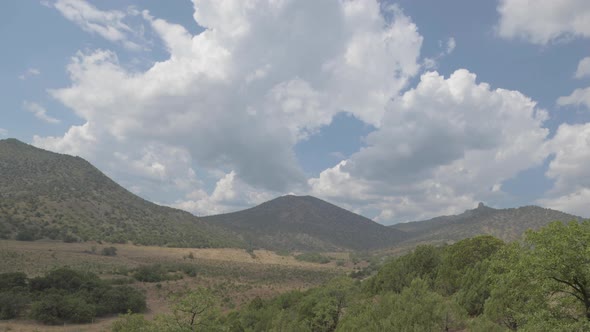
(150, 273)
(65, 295)
(133, 323)
(66, 279)
(163, 272)
(55, 308)
(70, 238)
(12, 304)
(313, 257)
(26, 235)
(119, 300)
(10, 281)
(109, 251)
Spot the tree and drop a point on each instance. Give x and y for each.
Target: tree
(459, 258)
(416, 308)
(322, 308)
(397, 274)
(544, 281)
(559, 254)
(197, 310)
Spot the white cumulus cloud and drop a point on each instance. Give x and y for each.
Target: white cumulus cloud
(569, 169)
(441, 147)
(108, 24)
(583, 69)
(40, 112)
(578, 97)
(29, 73)
(544, 21)
(260, 78)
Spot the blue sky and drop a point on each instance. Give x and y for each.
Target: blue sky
(397, 110)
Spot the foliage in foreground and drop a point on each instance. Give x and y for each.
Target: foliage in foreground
(480, 284)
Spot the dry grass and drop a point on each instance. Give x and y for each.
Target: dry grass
(38, 257)
(234, 275)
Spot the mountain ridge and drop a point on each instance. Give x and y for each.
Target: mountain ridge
(50, 195)
(507, 224)
(306, 223)
(58, 196)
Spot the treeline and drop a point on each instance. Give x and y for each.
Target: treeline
(65, 296)
(541, 283)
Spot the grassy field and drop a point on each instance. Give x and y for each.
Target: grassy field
(235, 275)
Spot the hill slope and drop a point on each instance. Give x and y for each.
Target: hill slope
(506, 224)
(49, 195)
(306, 223)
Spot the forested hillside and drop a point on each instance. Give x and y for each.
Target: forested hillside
(49, 195)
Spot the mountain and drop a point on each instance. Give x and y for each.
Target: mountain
(506, 224)
(49, 195)
(306, 223)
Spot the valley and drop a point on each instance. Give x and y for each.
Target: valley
(291, 260)
(234, 275)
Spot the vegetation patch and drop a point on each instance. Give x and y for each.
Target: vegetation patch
(477, 284)
(65, 296)
(313, 257)
(163, 272)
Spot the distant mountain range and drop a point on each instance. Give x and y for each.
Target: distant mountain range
(307, 223)
(49, 195)
(506, 224)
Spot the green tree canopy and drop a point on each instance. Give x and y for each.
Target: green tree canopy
(545, 280)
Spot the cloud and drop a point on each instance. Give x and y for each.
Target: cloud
(583, 68)
(230, 194)
(29, 73)
(544, 21)
(569, 169)
(430, 63)
(451, 44)
(39, 111)
(108, 24)
(578, 97)
(575, 203)
(238, 96)
(3, 132)
(441, 147)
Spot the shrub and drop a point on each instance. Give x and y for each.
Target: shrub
(10, 281)
(159, 272)
(66, 279)
(70, 238)
(12, 304)
(109, 251)
(65, 295)
(133, 323)
(150, 273)
(313, 257)
(119, 300)
(55, 308)
(25, 235)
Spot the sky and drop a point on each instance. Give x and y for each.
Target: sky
(397, 110)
